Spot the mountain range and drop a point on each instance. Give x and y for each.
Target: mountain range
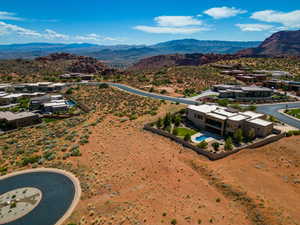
(123, 55)
(283, 43)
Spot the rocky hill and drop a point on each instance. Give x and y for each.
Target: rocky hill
(283, 43)
(123, 55)
(50, 67)
(197, 59)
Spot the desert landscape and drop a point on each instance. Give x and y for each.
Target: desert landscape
(136, 177)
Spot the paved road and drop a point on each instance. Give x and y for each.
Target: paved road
(144, 93)
(273, 110)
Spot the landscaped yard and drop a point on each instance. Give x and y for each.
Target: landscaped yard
(294, 113)
(184, 131)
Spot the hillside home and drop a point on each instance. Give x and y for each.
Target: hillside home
(224, 121)
(9, 120)
(242, 92)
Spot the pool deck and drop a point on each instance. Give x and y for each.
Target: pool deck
(210, 137)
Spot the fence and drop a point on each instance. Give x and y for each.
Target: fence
(209, 155)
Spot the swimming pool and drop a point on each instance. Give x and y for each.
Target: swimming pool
(71, 103)
(201, 138)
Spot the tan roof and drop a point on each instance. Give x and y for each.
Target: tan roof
(9, 116)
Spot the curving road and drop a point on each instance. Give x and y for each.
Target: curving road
(271, 109)
(274, 108)
(144, 93)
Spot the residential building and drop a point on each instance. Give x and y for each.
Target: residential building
(37, 103)
(242, 92)
(225, 121)
(9, 120)
(10, 99)
(55, 106)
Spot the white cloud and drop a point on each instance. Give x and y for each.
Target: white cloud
(94, 38)
(10, 28)
(176, 21)
(289, 19)
(255, 27)
(224, 12)
(169, 30)
(9, 16)
(48, 34)
(51, 34)
(174, 25)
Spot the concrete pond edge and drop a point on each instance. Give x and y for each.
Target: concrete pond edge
(71, 176)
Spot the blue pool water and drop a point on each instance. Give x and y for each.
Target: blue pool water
(201, 138)
(71, 103)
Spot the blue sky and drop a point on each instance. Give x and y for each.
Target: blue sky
(112, 22)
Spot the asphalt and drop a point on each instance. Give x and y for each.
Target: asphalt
(58, 194)
(271, 109)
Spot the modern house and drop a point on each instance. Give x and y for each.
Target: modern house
(10, 98)
(224, 121)
(242, 92)
(55, 106)
(37, 103)
(9, 120)
(77, 76)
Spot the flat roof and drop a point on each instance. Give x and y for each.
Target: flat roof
(261, 122)
(238, 117)
(255, 88)
(205, 108)
(218, 116)
(9, 116)
(224, 112)
(251, 114)
(13, 96)
(54, 104)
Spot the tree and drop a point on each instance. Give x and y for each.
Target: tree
(175, 131)
(223, 102)
(251, 108)
(177, 120)
(228, 144)
(216, 146)
(187, 137)
(238, 136)
(167, 120)
(103, 86)
(159, 123)
(251, 134)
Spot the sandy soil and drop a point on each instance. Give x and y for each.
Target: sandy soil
(137, 177)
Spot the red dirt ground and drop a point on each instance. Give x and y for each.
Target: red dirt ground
(137, 177)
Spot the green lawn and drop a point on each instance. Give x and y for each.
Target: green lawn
(294, 112)
(184, 131)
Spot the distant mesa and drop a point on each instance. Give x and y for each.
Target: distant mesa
(283, 43)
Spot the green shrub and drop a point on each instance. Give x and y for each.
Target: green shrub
(168, 129)
(159, 123)
(103, 86)
(175, 131)
(238, 136)
(223, 102)
(30, 160)
(187, 137)
(228, 144)
(203, 144)
(289, 133)
(216, 146)
(173, 221)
